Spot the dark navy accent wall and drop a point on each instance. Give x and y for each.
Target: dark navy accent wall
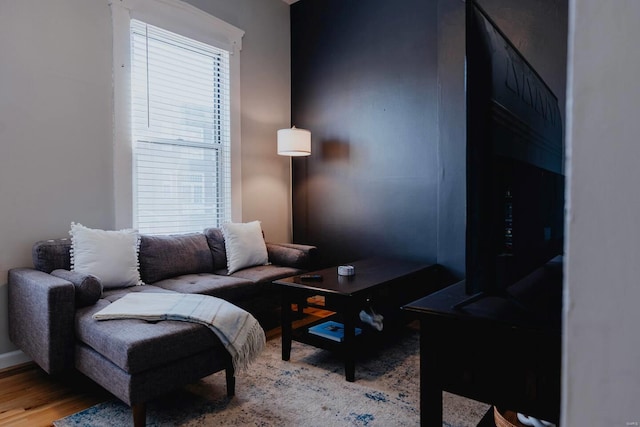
(380, 84)
(364, 83)
(452, 124)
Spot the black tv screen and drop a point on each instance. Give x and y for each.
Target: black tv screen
(515, 179)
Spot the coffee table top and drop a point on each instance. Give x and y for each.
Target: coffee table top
(370, 272)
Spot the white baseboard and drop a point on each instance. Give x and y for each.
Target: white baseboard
(13, 358)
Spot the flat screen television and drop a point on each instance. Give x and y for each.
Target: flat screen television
(515, 178)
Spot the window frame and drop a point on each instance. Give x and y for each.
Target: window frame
(189, 21)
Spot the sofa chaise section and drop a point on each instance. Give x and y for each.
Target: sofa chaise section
(51, 320)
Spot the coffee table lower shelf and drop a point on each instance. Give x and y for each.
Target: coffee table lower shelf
(302, 334)
(346, 349)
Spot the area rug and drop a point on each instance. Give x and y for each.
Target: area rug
(308, 390)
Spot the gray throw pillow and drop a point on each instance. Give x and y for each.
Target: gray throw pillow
(88, 287)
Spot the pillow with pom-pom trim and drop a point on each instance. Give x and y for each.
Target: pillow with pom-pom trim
(111, 256)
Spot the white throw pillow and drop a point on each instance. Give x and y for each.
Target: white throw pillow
(244, 245)
(111, 256)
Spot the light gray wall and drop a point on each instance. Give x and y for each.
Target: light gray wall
(56, 144)
(601, 378)
(55, 127)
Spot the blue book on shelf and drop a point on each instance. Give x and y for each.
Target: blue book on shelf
(331, 330)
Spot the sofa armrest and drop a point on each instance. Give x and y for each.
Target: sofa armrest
(41, 317)
(292, 255)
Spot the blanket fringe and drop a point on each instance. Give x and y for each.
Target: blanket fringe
(254, 345)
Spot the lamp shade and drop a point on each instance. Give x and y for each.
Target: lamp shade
(294, 142)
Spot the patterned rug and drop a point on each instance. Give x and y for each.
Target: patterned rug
(308, 390)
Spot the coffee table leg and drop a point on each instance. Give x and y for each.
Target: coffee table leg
(349, 346)
(286, 325)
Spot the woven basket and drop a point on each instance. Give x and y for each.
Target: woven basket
(506, 418)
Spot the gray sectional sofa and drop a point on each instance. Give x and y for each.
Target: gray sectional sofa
(51, 308)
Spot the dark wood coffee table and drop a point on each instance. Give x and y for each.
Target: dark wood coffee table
(396, 281)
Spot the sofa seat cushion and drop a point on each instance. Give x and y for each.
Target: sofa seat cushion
(225, 287)
(113, 294)
(264, 273)
(137, 345)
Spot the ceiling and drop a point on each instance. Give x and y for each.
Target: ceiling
(289, 1)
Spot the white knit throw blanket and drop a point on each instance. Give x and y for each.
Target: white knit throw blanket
(239, 331)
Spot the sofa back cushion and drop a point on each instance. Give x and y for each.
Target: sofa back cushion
(215, 238)
(162, 257)
(49, 255)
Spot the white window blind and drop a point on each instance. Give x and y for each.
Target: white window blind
(181, 132)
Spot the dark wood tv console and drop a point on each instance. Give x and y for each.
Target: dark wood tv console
(492, 350)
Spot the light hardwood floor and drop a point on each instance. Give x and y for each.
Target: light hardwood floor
(30, 397)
